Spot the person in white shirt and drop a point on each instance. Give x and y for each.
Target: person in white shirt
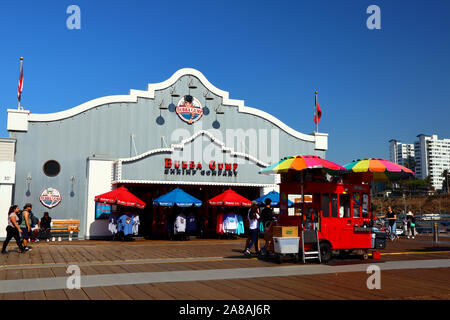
(253, 219)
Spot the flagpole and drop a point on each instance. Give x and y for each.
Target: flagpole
(19, 96)
(315, 112)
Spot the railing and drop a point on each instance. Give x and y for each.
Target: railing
(424, 224)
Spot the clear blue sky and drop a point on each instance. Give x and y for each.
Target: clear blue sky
(374, 85)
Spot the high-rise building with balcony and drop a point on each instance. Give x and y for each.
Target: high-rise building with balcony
(432, 157)
(427, 157)
(402, 153)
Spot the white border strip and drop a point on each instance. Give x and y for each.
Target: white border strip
(180, 146)
(150, 93)
(118, 163)
(196, 183)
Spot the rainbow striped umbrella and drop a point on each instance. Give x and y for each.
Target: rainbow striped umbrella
(302, 162)
(382, 169)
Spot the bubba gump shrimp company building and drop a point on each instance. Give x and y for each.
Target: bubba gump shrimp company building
(150, 141)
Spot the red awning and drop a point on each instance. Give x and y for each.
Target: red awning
(121, 196)
(230, 198)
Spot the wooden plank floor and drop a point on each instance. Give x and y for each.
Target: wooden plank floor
(132, 257)
(395, 284)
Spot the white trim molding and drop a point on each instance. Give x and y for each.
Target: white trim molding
(118, 163)
(196, 183)
(180, 146)
(150, 94)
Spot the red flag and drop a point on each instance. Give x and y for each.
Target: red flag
(318, 113)
(19, 92)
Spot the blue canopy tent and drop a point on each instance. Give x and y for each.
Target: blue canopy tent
(177, 197)
(274, 196)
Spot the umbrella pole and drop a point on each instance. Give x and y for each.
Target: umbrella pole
(303, 196)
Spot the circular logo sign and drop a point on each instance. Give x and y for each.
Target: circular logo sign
(50, 197)
(189, 109)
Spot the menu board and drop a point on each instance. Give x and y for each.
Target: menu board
(296, 199)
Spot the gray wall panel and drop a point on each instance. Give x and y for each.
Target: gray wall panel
(106, 130)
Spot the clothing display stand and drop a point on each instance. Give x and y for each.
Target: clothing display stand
(124, 225)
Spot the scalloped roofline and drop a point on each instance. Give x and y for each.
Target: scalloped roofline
(150, 93)
(180, 146)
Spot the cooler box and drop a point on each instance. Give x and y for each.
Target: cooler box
(286, 245)
(285, 232)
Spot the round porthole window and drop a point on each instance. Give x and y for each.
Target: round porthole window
(51, 168)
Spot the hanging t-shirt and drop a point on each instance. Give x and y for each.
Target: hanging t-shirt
(125, 224)
(241, 229)
(136, 224)
(180, 223)
(191, 224)
(230, 223)
(219, 228)
(112, 225)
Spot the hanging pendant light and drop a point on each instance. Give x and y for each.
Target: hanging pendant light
(208, 96)
(219, 109)
(174, 93)
(163, 106)
(192, 84)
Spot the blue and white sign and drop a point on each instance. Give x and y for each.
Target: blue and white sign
(50, 197)
(189, 109)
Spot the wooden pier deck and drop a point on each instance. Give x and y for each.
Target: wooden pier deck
(250, 278)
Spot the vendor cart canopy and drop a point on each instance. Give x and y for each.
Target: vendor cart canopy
(382, 170)
(303, 162)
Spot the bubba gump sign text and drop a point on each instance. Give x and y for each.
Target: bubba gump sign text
(191, 168)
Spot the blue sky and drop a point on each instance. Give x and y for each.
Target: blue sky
(374, 85)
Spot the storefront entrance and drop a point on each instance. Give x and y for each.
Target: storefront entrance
(154, 220)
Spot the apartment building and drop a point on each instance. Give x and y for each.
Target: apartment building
(402, 153)
(428, 156)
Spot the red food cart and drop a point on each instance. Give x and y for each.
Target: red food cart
(339, 215)
(335, 216)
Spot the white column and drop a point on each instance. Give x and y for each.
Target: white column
(99, 181)
(7, 180)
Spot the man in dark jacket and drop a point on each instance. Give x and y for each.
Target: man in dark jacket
(45, 226)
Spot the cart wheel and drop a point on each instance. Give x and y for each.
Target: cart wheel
(325, 252)
(365, 256)
(279, 259)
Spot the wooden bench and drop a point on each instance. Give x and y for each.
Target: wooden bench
(65, 228)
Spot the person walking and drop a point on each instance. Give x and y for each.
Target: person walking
(13, 229)
(253, 219)
(267, 218)
(411, 225)
(391, 216)
(25, 225)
